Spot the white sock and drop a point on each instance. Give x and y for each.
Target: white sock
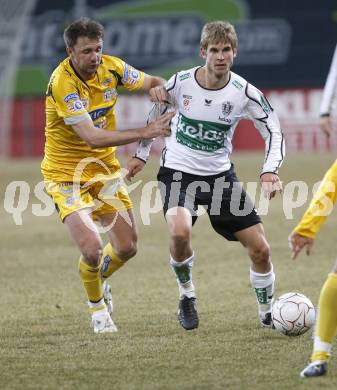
(94, 305)
(264, 285)
(183, 271)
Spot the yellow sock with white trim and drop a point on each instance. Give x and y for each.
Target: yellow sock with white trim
(110, 262)
(326, 327)
(92, 281)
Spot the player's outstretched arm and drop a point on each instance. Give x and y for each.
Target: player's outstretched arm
(297, 242)
(98, 138)
(155, 86)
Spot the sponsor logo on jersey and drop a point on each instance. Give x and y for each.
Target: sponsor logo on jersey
(75, 106)
(186, 104)
(109, 94)
(237, 84)
(187, 96)
(106, 81)
(184, 76)
(71, 96)
(201, 135)
(99, 112)
(264, 104)
(208, 102)
(85, 102)
(130, 75)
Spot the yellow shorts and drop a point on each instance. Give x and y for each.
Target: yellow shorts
(103, 195)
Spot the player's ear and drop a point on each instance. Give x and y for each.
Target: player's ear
(69, 50)
(202, 53)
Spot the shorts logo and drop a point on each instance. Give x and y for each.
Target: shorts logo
(71, 200)
(105, 264)
(66, 190)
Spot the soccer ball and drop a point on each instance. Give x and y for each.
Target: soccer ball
(293, 314)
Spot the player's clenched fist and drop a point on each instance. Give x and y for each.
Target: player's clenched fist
(159, 127)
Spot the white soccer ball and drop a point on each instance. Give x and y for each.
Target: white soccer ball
(293, 314)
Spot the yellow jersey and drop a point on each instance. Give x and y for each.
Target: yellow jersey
(71, 100)
(320, 206)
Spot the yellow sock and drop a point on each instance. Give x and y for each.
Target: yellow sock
(326, 327)
(92, 281)
(110, 261)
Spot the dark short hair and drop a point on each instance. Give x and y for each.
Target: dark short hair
(84, 27)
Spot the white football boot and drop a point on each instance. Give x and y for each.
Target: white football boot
(107, 295)
(101, 322)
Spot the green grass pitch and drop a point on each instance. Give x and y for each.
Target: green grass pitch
(45, 340)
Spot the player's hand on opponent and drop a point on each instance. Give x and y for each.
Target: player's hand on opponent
(297, 242)
(271, 184)
(159, 95)
(134, 166)
(326, 125)
(159, 127)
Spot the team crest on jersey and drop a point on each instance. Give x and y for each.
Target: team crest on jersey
(227, 108)
(109, 94)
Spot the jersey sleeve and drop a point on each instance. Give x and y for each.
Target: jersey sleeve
(330, 88)
(144, 146)
(321, 205)
(67, 101)
(266, 121)
(171, 87)
(131, 78)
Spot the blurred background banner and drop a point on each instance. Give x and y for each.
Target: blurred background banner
(285, 49)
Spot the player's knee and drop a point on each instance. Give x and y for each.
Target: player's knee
(127, 251)
(180, 236)
(260, 253)
(92, 254)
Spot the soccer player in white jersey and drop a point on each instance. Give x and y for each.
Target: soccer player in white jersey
(195, 166)
(329, 95)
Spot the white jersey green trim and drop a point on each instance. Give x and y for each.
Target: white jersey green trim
(202, 129)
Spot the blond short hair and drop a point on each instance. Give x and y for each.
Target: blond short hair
(218, 31)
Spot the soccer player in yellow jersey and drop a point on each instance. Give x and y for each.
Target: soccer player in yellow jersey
(303, 236)
(80, 167)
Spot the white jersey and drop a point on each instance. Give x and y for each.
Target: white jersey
(330, 88)
(202, 129)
